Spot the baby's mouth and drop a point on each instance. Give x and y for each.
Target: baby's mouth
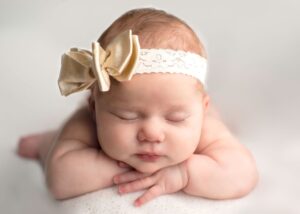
(149, 157)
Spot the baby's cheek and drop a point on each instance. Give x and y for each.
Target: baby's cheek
(115, 141)
(186, 146)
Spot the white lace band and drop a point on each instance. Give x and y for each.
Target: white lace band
(171, 61)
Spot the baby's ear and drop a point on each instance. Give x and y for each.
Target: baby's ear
(92, 105)
(206, 101)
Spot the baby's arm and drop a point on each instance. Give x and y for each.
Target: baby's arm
(76, 164)
(221, 167)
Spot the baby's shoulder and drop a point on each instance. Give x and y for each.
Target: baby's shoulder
(213, 129)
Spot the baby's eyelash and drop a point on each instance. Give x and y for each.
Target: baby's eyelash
(126, 118)
(177, 120)
(123, 118)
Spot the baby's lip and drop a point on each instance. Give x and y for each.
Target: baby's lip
(150, 153)
(148, 156)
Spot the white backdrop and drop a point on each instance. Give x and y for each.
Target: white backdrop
(253, 47)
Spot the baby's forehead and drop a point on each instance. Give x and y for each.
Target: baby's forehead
(159, 80)
(155, 87)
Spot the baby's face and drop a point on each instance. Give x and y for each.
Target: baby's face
(151, 121)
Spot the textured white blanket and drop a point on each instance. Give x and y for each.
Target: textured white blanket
(110, 202)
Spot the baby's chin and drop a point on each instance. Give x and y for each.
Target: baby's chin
(148, 168)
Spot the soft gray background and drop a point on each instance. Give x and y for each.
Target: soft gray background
(254, 49)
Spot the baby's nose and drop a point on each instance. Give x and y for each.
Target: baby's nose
(151, 131)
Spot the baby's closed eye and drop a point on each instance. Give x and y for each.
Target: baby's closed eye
(177, 116)
(125, 115)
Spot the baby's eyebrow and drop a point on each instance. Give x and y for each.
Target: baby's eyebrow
(122, 106)
(118, 109)
(177, 107)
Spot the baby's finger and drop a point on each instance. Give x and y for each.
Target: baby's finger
(150, 194)
(123, 165)
(128, 177)
(136, 185)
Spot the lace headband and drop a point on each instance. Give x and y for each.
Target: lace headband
(122, 59)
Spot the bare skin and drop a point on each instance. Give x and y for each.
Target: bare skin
(37, 147)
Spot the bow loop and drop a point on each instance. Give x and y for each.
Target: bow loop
(76, 73)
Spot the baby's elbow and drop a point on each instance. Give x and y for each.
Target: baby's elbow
(246, 185)
(245, 181)
(56, 190)
(55, 187)
(55, 182)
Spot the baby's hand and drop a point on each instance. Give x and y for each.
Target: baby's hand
(167, 180)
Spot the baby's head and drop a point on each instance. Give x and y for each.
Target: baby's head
(155, 29)
(153, 120)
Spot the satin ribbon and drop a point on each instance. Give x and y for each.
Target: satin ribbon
(81, 68)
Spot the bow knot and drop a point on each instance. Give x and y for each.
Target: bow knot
(81, 68)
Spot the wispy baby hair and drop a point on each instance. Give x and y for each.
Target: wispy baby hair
(156, 29)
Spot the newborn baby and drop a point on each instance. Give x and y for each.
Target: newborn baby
(148, 124)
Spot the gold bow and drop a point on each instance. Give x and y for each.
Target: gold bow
(81, 68)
